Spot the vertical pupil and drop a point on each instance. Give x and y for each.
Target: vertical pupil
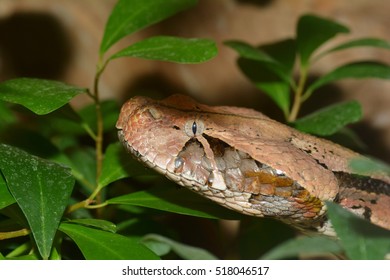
(194, 128)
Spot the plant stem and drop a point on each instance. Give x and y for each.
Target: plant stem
(298, 95)
(99, 128)
(99, 133)
(78, 205)
(13, 234)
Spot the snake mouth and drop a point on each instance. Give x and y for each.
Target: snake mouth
(250, 186)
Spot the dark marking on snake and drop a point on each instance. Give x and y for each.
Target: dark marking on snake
(363, 183)
(367, 213)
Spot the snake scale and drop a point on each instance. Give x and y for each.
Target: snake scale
(250, 163)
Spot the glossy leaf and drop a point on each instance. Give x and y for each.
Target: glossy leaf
(129, 16)
(95, 223)
(177, 201)
(159, 248)
(329, 120)
(184, 251)
(118, 164)
(67, 121)
(312, 32)
(39, 96)
(6, 198)
(356, 70)
(247, 51)
(97, 244)
(360, 239)
(29, 257)
(277, 58)
(21, 250)
(363, 165)
(171, 49)
(6, 115)
(315, 246)
(364, 42)
(82, 160)
(42, 190)
(267, 81)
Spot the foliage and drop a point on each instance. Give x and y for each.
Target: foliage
(45, 161)
(65, 197)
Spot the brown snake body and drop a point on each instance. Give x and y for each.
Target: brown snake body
(250, 163)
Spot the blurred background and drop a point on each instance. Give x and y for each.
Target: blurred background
(59, 39)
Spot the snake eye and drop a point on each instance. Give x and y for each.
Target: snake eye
(194, 128)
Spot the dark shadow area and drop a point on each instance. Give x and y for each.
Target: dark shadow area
(258, 3)
(33, 45)
(324, 96)
(374, 139)
(153, 85)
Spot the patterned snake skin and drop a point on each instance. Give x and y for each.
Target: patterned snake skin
(247, 162)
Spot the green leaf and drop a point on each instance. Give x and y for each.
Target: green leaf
(329, 120)
(6, 115)
(267, 81)
(247, 51)
(159, 248)
(6, 198)
(364, 42)
(308, 245)
(129, 16)
(184, 251)
(356, 70)
(177, 201)
(284, 52)
(312, 32)
(39, 96)
(95, 223)
(360, 239)
(278, 92)
(102, 245)
(171, 49)
(364, 165)
(21, 250)
(277, 58)
(65, 121)
(83, 162)
(117, 164)
(25, 257)
(42, 190)
(269, 67)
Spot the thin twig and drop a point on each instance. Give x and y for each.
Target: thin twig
(14, 234)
